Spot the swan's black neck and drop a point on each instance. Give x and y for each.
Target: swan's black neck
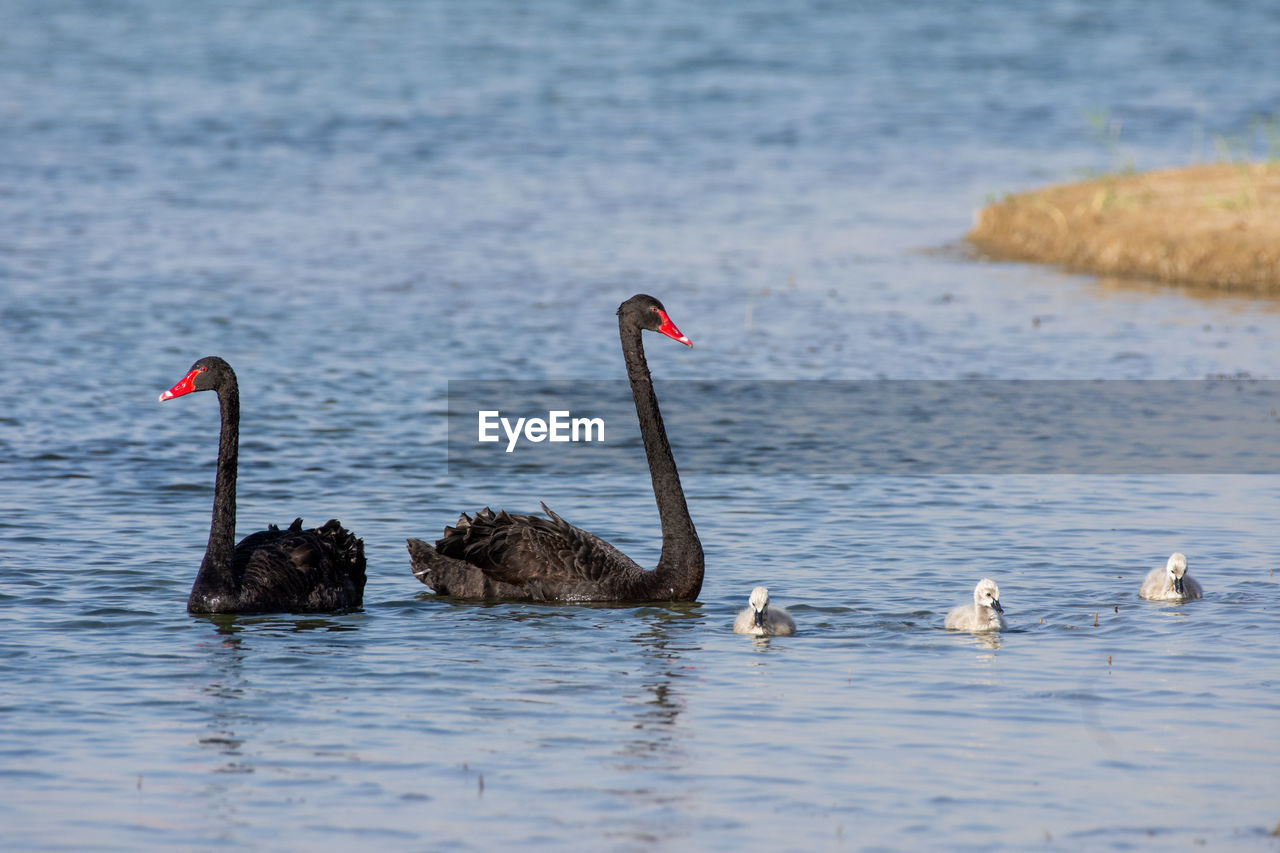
(680, 568)
(216, 580)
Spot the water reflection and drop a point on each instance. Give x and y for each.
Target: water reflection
(228, 692)
(1237, 301)
(224, 695)
(231, 624)
(224, 623)
(667, 633)
(990, 640)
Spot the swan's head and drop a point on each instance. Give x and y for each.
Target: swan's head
(987, 594)
(759, 604)
(644, 312)
(1177, 568)
(206, 374)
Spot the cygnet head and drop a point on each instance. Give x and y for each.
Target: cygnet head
(1177, 567)
(987, 594)
(759, 604)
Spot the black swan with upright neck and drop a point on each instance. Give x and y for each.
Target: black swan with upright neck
(524, 557)
(273, 570)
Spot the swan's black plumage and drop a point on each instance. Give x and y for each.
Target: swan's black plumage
(507, 556)
(294, 570)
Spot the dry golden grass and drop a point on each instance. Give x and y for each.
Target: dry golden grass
(1212, 226)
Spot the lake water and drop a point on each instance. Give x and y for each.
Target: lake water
(357, 202)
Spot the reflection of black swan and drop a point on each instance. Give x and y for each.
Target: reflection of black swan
(294, 570)
(501, 556)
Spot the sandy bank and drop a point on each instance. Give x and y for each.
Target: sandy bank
(1215, 226)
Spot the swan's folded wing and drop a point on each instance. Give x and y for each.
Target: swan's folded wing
(591, 557)
(525, 549)
(319, 569)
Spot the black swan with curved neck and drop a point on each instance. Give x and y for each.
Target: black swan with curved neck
(273, 570)
(525, 557)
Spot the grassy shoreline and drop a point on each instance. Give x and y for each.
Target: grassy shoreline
(1212, 226)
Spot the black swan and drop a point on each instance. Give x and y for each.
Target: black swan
(524, 557)
(273, 570)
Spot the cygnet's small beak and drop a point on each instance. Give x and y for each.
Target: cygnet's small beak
(1177, 585)
(760, 618)
(995, 603)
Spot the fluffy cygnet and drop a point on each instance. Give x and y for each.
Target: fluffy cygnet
(761, 619)
(1172, 583)
(985, 614)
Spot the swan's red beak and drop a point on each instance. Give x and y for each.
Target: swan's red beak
(669, 329)
(185, 386)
